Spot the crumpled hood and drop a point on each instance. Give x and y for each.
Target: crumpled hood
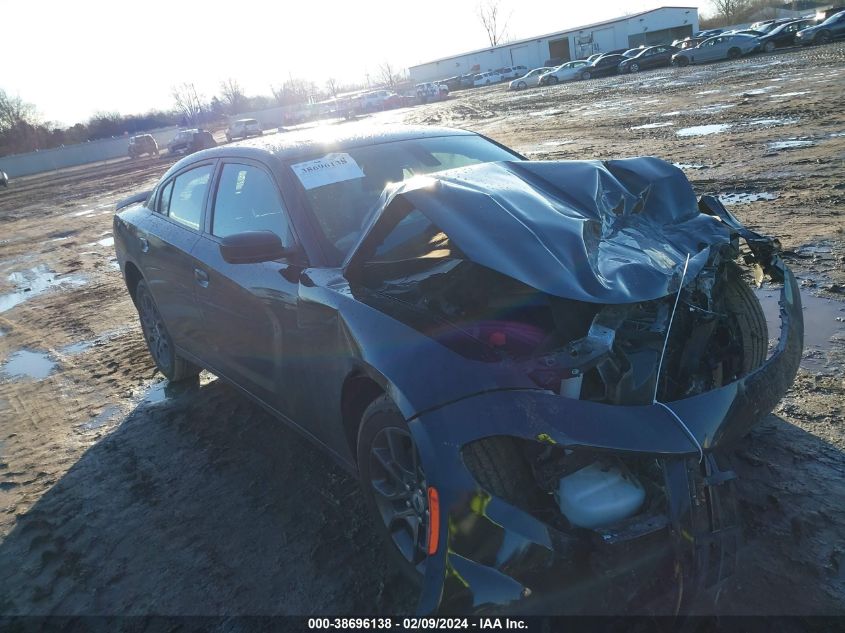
(604, 232)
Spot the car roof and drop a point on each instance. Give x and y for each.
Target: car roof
(300, 143)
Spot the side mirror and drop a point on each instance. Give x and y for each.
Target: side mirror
(252, 247)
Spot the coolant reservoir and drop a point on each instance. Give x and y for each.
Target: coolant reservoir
(599, 495)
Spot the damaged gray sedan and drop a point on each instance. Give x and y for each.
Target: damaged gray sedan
(533, 367)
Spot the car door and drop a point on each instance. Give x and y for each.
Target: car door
(167, 236)
(658, 57)
(708, 50)
(247, 308)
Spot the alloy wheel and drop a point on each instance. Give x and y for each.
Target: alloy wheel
(155, 333)
(401, 494)
(635, 67)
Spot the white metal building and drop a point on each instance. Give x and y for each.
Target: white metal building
(656, 26)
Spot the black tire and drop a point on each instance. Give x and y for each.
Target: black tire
(734, 53)
(498, 466)
(634, 68)
(521, 85)
(742, 303)
(384, 436)
(769, 47)
(158, 340)
(681, 62)
(553, 80)
(822, 37)
(586, 74)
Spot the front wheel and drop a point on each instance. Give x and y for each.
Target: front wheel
(552, 80)
(394, 485)
(680, 62)
(521, 85)
(635, 68)
(734, 53)
(158, 338)
(586, 74)
(769, 47)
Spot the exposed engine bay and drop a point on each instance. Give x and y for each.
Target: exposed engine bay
(603, 353)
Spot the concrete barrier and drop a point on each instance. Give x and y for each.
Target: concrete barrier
(18, 165)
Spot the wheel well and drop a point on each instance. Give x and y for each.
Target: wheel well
(132, 276)
(358, 393)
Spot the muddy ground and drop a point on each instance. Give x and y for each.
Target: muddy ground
(120, 496)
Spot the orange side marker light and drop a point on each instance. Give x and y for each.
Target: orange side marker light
(433, 520)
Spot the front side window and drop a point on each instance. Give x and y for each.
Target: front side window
(188, 195)
(247, 200)
(163, 205)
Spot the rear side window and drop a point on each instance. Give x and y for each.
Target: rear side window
(188, 194)
(247, 200)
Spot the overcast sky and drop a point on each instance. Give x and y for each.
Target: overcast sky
(74, 58)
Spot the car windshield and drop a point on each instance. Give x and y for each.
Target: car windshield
(343, 188)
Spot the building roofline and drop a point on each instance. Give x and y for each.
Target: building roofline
(553, 33)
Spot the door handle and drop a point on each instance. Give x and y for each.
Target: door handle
(145, 245)
(201, 277)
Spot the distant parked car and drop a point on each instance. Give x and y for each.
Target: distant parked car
(141, 144)
(431, 91)
(564, 72)
(708, 33)
(243, 128)
(690, 42)
(646, 58)
(529, 80)
(487, 78)
(783, 34)
(379, 100)
(717, 48)
(190, 141)
(4, 179)
(766, 26)
(602, 67)
(468, 81)
(831, 29)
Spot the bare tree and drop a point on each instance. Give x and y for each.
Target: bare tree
(294, 91)
(332, 86)
(14, 111)
(233, 95)
(730, 10)
(388, 75)
(188, 103)
(494, 23)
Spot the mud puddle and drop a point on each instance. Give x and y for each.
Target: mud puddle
(28, 364)
(651, 126)
(746, 197)
(82, 346)
(824, 326)
(704, 130)
(788, 144)
(33, 282)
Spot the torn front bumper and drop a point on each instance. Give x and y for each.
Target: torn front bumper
(497, 557)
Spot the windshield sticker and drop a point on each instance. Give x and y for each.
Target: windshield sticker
(327, 170)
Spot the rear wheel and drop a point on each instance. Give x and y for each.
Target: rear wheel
(158, 338)
(394, 485)
(769, 47)
(586, 74)
(822, 37)
(681, 62)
